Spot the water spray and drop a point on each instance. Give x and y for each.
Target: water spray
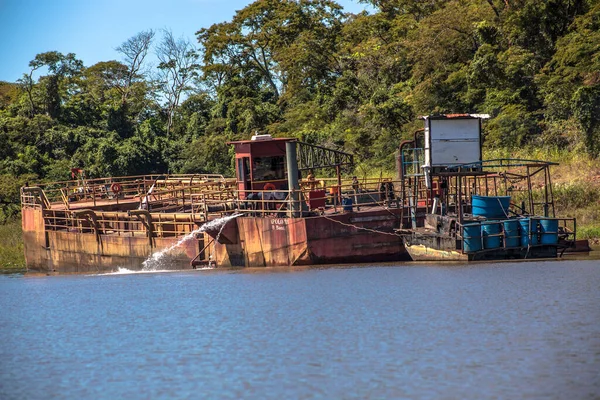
(153, 262)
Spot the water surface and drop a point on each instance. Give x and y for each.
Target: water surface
(507, 330)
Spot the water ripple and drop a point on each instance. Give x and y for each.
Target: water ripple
(527, 331)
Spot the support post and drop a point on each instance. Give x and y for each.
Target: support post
(412, 203)
(530, 192)
(292, 170)
(459, 205)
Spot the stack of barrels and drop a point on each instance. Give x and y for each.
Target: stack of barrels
(515, 232)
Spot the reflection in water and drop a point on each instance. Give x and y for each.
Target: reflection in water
(490, 330)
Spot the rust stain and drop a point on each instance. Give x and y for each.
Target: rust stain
(246, 242)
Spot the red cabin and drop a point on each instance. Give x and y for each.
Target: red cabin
(260, 164)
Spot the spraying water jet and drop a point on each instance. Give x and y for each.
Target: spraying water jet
(156, 260)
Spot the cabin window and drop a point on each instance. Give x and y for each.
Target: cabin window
(268, 168)
(243, 169)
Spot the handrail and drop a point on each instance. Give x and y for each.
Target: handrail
(37, 193)
(504, 163)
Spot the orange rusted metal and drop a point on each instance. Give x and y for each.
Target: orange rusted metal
(85, 226)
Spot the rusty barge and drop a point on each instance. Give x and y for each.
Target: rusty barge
(275, 212)
(97, 225)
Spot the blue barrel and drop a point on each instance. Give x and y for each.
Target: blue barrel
(471, 237)
(511, 233)
(549, 230)
(529, 237)
(490, 206)
(491, 235)
(347, 204)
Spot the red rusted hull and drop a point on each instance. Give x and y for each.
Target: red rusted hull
(356, 237)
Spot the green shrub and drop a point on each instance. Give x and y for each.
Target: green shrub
(12, 258)
(591, 232)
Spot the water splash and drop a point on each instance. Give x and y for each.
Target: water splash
(156, 260)
(125, 271)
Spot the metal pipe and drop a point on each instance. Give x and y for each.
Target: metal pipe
(414, 143)
(221, 207)
(292, 170)
(418, 131)
(91, 215)
(147, 222)
(460, 208)
(399, 158)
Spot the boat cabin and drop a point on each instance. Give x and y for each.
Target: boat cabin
(260, 164)
(452, 139)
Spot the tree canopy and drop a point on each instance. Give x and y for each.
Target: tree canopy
(308, 70)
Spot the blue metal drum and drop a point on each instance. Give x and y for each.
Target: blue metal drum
(347, 204)
(512, 238)
(490, 206)
(491, 234)
(529, 231)
(471, 237)
(549, 230)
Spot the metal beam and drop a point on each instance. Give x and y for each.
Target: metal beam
(311, 156)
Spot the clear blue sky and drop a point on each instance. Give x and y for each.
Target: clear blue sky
(93, 28)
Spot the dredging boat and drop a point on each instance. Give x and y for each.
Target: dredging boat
(477, 209)
(443, 205)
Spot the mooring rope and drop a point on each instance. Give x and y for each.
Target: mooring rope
(360, 227)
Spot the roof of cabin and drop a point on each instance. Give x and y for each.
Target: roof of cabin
(455, 116)
(263, 140)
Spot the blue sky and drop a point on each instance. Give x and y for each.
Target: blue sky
(92, 29)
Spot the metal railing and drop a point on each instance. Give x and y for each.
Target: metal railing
(120, 223)
(178, 211)
(115, 190)
(314, 196)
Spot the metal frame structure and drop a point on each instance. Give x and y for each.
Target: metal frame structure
(311, 156)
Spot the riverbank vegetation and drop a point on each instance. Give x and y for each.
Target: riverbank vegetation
(308, 70)
(12, 258)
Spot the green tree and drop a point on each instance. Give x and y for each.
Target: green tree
(570, 80)
(54, 86)
(289, 45)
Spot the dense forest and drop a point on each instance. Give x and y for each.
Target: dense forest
(306, 69)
